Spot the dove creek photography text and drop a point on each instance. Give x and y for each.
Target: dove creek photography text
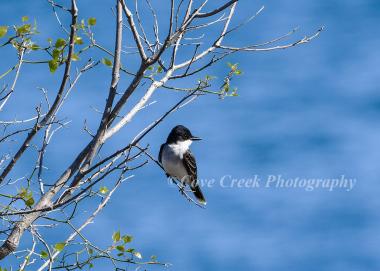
(309, 184)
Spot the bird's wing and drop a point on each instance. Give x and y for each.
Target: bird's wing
(191, 168)
(190, 165)
(160, 158)
(160, 153)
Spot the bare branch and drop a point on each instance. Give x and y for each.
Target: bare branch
(253, 48)
(155, 26)
(18, 65)
(127, 118)
(135, 33)
(216, 43)
(216, 11)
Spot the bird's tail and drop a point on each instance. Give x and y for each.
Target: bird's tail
(198, 194)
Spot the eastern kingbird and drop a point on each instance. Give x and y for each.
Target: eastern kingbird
(178, 161)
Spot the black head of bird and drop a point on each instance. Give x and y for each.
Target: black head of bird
(180, 133)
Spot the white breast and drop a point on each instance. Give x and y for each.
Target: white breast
(171, 158)
(181, 147)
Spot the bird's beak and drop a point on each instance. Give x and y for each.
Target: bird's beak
(195, 138)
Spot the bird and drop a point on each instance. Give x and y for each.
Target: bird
(178, 161)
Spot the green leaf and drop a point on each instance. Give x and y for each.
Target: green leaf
(90, 251)
(3, 31)
(159, 69)
(60, 43)
(103, 190)
(75, 57)
(107, 62)
(35, 47)
(91, 21)
(153, 258)
(130, 250)
(150, 68)
(127, 238)
(120, 248)
(237, 72)
(81, 25)
(23, 29)
(24, 18)
(29, 202)
(23, 192)
(137, 254)
(210, 77)
(91, 265)
(116, 236)
(44, 254)
(53, 65)
(78, 40)
(59, 246)
(56, 54)
(234, 92)
(226, 88)
(233, 67)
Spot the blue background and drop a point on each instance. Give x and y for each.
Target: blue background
(310, 111)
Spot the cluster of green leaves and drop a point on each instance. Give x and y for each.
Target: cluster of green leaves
(57, 53)
(120, 245)
(25, 28)
(226, 89)
(3, 269)
(120, 242)
(155, 69)
(20, 36)
(57, 49)
(204, 83)
(27, 196)
(234, 68)
(57, 247)
(86, 28)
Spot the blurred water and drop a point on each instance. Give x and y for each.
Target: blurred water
(310, 112)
